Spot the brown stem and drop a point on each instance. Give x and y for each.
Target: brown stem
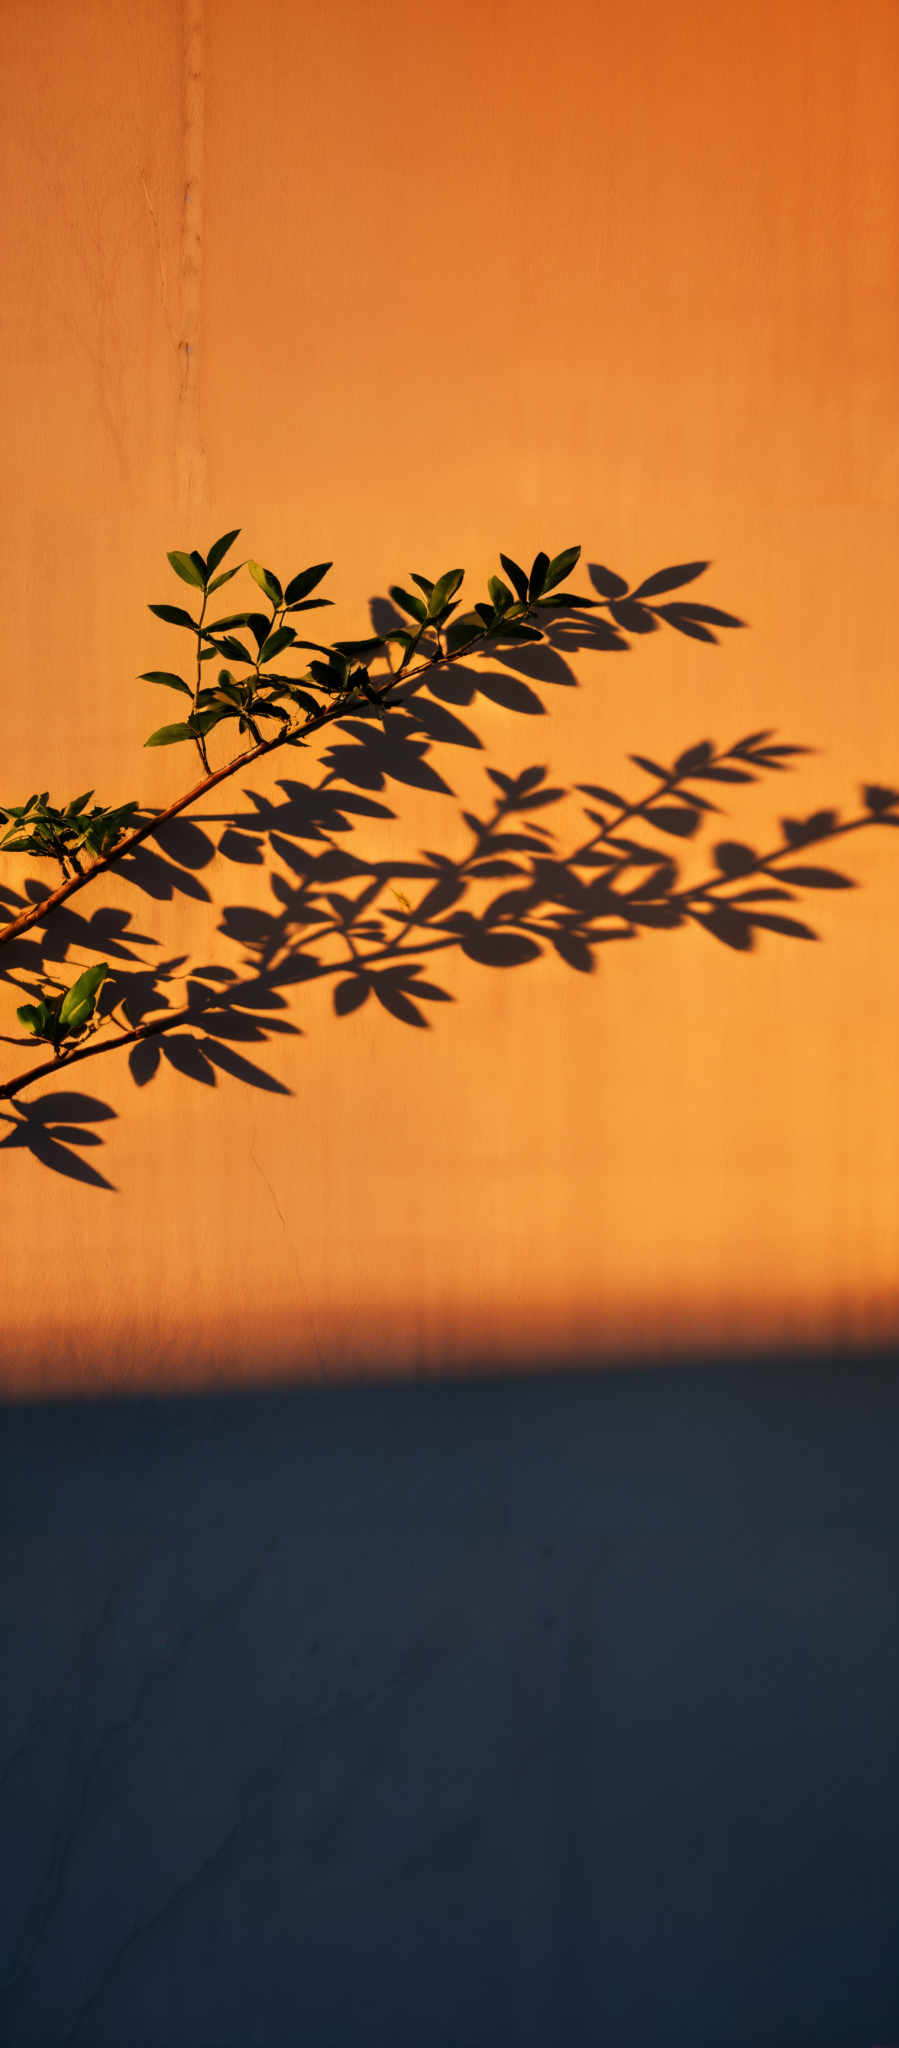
(89, 1052)
(201, 742)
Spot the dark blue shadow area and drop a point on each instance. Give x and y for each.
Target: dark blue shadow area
(522, 1713)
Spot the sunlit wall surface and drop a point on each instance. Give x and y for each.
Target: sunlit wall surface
(401, 287)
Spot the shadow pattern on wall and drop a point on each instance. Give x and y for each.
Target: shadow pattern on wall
(517, 892)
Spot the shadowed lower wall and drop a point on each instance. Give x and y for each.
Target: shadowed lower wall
(549, 1713)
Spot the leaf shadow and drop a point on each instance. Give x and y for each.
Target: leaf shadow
(51, 1126)
(518, 893)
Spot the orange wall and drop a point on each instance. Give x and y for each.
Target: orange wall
(454, 280)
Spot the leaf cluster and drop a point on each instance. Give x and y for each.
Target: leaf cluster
(48, 832)
(61, 1019)
(622, 879)
(249, 689)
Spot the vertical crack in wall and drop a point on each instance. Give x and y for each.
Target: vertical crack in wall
(153, 213)
(190, 454)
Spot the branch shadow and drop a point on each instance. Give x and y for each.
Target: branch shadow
(348, 918)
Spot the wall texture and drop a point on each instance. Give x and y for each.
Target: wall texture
(399, 287)
(558, 1713)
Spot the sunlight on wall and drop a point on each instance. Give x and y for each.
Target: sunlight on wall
(400, 289)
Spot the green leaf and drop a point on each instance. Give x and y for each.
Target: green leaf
(355, 649)
(316, 646)
(173, 616)
(76, 1020)
(83, 992)
(34, 1018)
(537, 578)
(275, 643)
(78, 802)
(331, 674)
(300, 586)
(302, 698)
(516, 575)
(501, 594)
(219, 550)
(467, 627)
(560, 567)
(232, 649)
(229, 688)
(168, 681)
(168, 735)
(201, 722)
(407, 603)
(187, 567)
(267, 582)
(424, 583)
(225, 577)
(445, 588)
(399, 639)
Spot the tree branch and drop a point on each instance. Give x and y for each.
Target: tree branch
(38, 912)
